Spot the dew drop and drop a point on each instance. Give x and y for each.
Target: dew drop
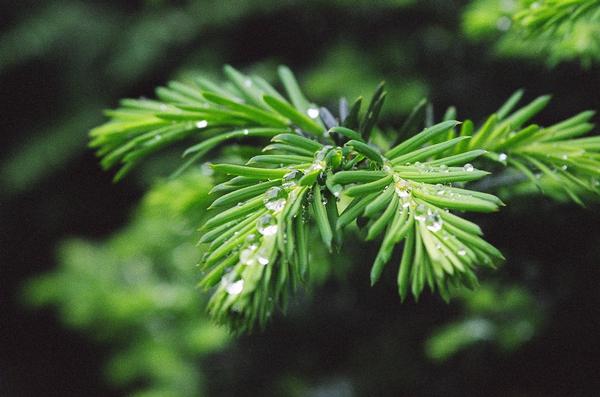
(316, 166)
(274, 199)
(262, 256)
(402, 189)
(232, 287)
(420, 212)
(444, 168)
(267, 225)
(202, 124)
(290, 179)
(564, 167)
(462, 251)
(247, 256)
(246, 132)
(235, 288)
(502, 157)
(503, 23)
(206, 169)
(433, 221)
(313, 113)
(336, 190)
(468, 167)
(248, 83)
(320, 155)
(439, 189)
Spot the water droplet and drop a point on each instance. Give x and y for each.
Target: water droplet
(433, 221)
(503, 23)
(206, 169)
(402, 189)
(444, 168)
(564, 157)
(157, 137)
(275, 198)
(246, 132)
(468, 167)
(248, 83)
(564, 167)
(163, 107)
(461, 251)
(336, 190)
(247, 256)
(267, 225)
(320, 155)
(235, 288)
(262, 256)
(232, 287)
(291, 179)
(387, 168)
(420, 212)
(316, 166)
(439, 189)
(313, 113)
(202, 124)
(502, 157)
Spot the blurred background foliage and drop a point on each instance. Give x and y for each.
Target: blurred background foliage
(136, 292)
(126, 284)
(553, 31)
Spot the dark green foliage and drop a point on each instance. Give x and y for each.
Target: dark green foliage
(136, 291)
(257, 250)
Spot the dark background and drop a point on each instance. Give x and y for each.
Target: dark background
(353, 331)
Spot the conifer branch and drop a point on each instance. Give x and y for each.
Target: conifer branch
(320, 174)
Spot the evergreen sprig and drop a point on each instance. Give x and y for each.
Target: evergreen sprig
(547, 16)
(323, 172)
(554, 30)
(561, 152)
(244, 106)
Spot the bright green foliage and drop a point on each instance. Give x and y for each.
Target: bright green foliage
(323, 172)
(556, 29)
(504, 317)
(562, 154)
(137, 288)
(201, 110)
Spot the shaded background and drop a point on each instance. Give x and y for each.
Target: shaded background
(532, 330)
